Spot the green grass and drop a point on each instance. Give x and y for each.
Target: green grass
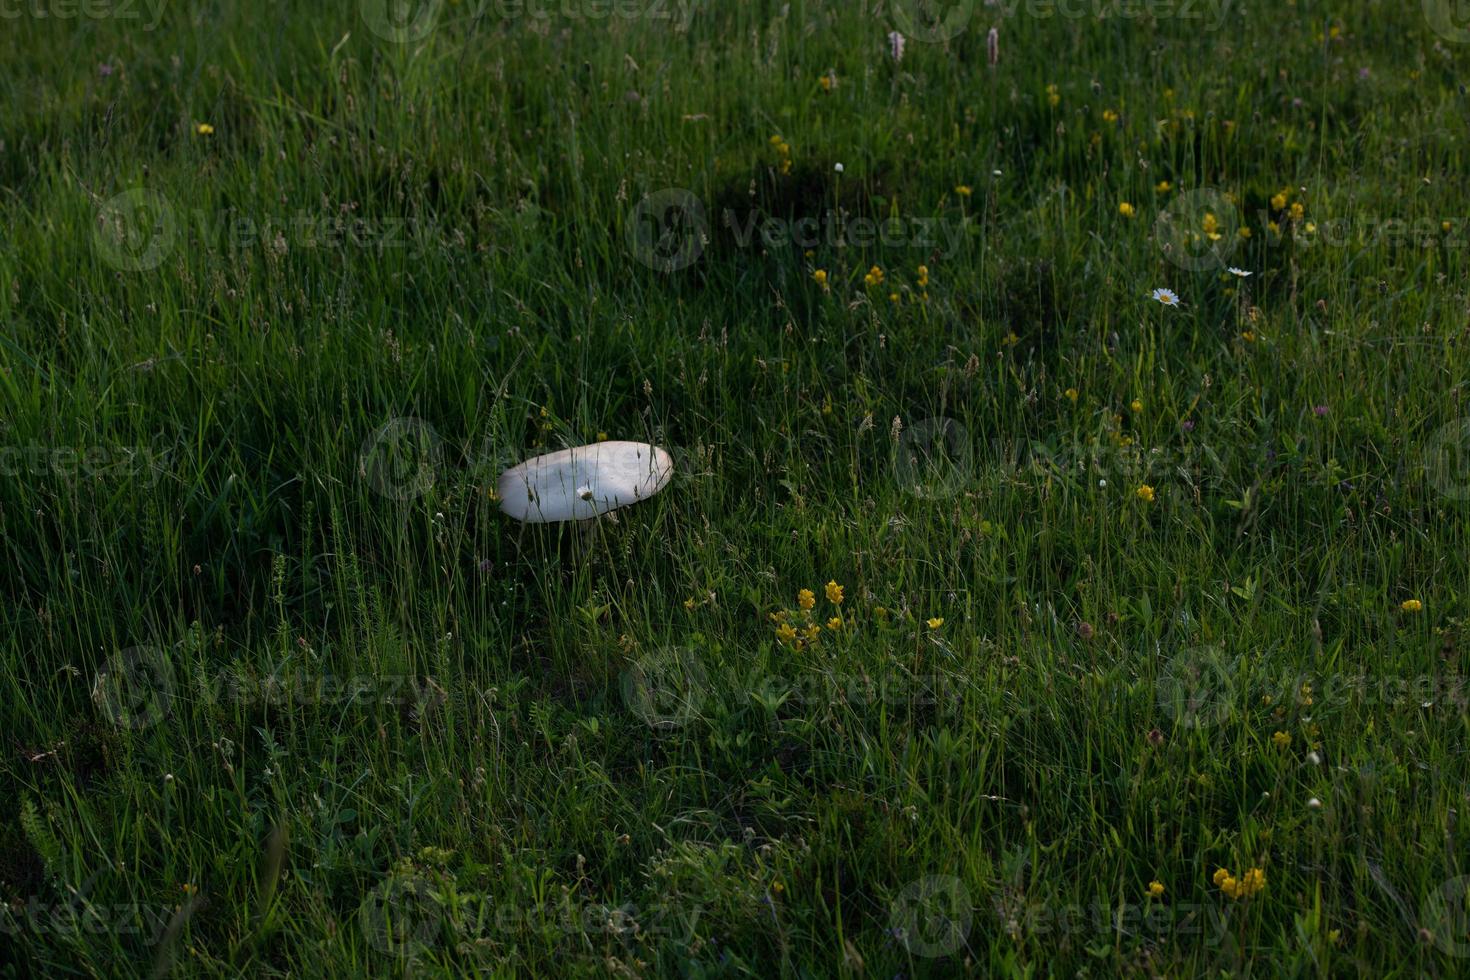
(285, 694)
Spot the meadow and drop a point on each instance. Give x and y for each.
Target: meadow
(1063, 571)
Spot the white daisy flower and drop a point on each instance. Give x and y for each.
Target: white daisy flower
(1239, 273)
(1166, 296)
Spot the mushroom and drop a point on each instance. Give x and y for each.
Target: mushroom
(583, 482)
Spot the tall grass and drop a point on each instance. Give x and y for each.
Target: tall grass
(286, 694)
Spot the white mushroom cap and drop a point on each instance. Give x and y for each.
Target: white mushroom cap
(584, 482)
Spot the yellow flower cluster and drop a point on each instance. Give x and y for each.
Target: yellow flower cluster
(783, 151)
(1248, 884)
(801, 627)
(806, 600)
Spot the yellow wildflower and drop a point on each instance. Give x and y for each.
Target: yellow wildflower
(935, 622)
(1126, 209)
(834, 593)
(806, 598)
(1411, 605)
(1248, 884)
(1145, 493)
